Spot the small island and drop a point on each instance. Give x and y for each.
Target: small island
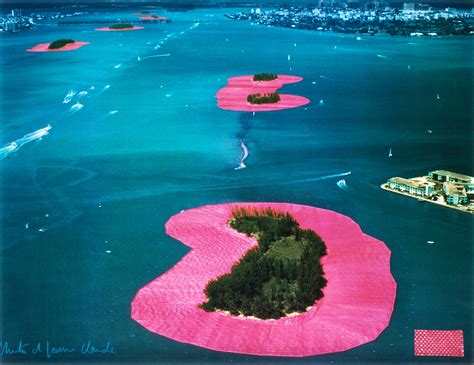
(242, 93)
(60, 43)
(268, 98)
(264, 77)
(121, 26)
(358, 299)
(280, 276)
(156, 19)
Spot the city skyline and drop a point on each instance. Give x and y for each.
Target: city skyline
(204, 2)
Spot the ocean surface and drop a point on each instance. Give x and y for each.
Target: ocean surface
(93, 177)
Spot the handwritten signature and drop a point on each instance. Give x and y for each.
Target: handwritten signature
(49, 349)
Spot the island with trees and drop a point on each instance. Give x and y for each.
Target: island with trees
(121, 26)
(280, 276)
(243, 93)
(60, 43)
(358, 299)
(264, 77)
(268, 98)
(156, 19)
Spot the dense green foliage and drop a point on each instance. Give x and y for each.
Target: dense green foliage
(281, 275)
(264, 77)
(263, 99)
(121, 26)
(60, 43)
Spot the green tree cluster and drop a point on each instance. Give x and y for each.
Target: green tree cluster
(281, 275)
(263, 99)
(59, 43)
(264, 77)
(121, 26)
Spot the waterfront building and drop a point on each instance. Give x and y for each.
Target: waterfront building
(412, 186)
(11, 26)
(455, 193)
(448, 176)
(16, 12)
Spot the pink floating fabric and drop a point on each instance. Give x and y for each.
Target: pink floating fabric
(234, 95)
(159, 18)
(43, 47)
(439, 343)
(357, 305)
(107, 29)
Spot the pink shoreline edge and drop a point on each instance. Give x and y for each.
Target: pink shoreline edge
(356, 308)
(107, 29)
(234, 95)
(43, 47)
(160, 18)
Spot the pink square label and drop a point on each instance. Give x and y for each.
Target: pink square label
(439, 343)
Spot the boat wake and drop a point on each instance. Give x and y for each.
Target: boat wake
(16, 145)
(322, 177)
(384, 57)
(245, 154)
(109, 114)
(158, 55)
(118, 65)
(76, 107)
(342, 185)
(69, 96)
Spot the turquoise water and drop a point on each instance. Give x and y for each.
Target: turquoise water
(107, 181)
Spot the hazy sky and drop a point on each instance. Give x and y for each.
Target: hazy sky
(444, 2)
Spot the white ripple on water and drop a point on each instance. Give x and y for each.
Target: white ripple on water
(245, 154)
(109, 114)
(82, 93)
(69, 96)
(342, 185)
(158, 55)
(16, 145)
(76, 107)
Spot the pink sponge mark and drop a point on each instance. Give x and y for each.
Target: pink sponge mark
(43, 47)
(107, 29)
(234, 95)
(439, 343)
(357, 305)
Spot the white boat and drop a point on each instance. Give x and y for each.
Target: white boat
(390, 154)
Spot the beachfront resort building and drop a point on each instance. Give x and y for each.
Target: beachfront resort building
(417, 186)
(443, 175)
(440, 186)
(455, 193)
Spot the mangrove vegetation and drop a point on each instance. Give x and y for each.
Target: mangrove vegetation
(268, 98)
(281, 275)
(60, 43)
(264, 77)
(121, 26)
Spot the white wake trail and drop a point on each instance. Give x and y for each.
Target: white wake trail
(16, 145)
(245, 154)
